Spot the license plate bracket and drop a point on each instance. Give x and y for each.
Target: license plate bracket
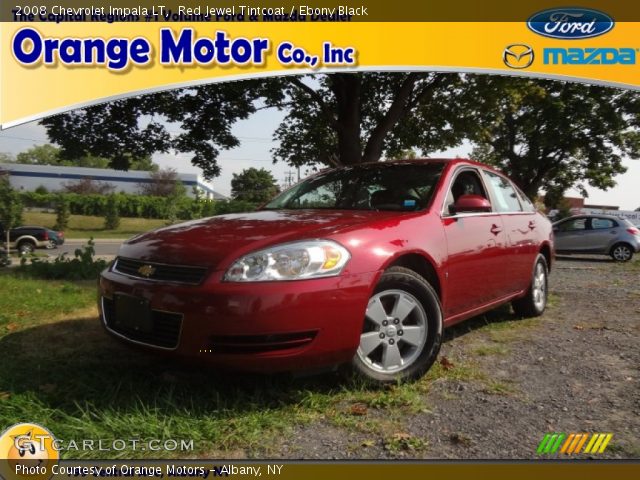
(133, 313)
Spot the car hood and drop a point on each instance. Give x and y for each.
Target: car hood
(217, 241)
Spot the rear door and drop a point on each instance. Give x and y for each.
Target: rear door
(602, 232)
(476, 248)
(519, 220)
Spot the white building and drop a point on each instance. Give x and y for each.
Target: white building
(53, 178)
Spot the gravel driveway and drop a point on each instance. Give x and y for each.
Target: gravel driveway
(502, 384)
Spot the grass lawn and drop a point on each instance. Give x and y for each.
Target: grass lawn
(84, 226)
(61, 370)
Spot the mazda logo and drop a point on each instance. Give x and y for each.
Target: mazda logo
(146, 270)
(518, 56)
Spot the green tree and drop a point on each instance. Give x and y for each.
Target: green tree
(112, 214)
(553, 135)
(336, 119)
(63, 213)
(254, 185)
(6, 158)
(163, 183)
(45, 154)
(548, 135)
(10, 207)
(48, 154)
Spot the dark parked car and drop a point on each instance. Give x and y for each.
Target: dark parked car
(26, 239)
(600, 234)
(363, 265)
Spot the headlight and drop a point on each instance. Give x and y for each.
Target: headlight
(290, 261)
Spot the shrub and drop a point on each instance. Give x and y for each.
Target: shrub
(112, 215)
(82, 267)
(138, 206)
(62, 214)
(88, 185)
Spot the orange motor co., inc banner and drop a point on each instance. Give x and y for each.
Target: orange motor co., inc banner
(55, 59)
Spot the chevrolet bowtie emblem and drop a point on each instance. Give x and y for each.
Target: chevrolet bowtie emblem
(147, 270)
(518, 56)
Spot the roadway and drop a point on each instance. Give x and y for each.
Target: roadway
(105, 248)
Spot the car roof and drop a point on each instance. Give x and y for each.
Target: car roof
(418, 161)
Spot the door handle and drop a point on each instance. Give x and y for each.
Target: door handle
(532, 225)
(495, 229)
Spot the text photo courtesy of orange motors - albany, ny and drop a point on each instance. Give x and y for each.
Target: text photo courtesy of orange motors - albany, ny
(286, 239)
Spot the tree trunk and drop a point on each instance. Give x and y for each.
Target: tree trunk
(347, 89)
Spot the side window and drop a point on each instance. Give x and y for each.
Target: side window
(527, 206)
(467, 182)
(576, 224)
(602, 223)
(505, 194)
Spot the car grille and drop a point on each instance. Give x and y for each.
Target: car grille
(165, 332)
(260, 343)
(160, 271)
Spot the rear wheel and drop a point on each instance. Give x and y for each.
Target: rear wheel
(402, 330)
(621, 252)
(535, 301)
(26, 247)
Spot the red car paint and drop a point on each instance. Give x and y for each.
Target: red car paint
(477, 261)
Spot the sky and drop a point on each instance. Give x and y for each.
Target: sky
(255, 135)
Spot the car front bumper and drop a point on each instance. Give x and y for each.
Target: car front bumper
(264, 327)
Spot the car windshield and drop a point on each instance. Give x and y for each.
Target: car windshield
(400, 187)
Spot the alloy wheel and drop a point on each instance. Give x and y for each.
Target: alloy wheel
(394, 333)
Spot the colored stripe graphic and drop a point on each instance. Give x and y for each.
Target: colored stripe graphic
(550, 443)
(573, 443)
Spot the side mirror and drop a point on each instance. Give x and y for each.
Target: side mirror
(471, 204)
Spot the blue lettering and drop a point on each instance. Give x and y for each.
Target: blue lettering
(28, 35)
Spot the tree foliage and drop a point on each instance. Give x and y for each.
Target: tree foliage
(112, 215)
(10, 208)
(88, 186)
(553, 135)
(163, 183)
(48, 154)
(63, 214)
(337, 119)
(254, 185)
(547, 134)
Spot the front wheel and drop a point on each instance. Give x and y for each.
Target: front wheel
(621, 252)
(26, 247)
(402, 329)
(534, 302)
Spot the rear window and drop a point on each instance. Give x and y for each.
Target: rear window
(504, 193)
(599, 223)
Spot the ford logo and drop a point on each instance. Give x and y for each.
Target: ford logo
(570, 23)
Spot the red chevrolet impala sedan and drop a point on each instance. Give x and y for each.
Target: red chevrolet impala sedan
(363, 265)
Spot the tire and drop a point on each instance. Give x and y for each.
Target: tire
(534, 302)
(26, 247)
(621, 252)
(402, 329)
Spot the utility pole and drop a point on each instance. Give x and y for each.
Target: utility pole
(288, 179)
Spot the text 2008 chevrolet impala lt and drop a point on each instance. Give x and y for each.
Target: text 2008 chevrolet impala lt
(363, 265)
